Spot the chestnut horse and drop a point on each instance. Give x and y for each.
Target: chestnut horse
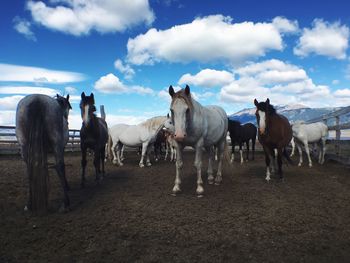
(275, 133)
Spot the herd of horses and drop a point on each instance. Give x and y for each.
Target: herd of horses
(42, 126)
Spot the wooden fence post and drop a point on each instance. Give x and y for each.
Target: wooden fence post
(102, 111)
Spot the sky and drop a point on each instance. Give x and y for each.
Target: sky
(128, 53)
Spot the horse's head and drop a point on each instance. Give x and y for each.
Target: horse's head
(169, 126)
(263, 112)
(87, 107)
(64, 103)
(181, 109)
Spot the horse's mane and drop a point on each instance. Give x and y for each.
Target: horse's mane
(154, 122)
(235, 121)
(271, 109)
(182, 95)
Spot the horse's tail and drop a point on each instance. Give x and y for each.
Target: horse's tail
(37, 159)
(109, 154)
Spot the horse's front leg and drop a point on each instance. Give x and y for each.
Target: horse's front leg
(103, 152)
(210, 151)
(233, 151)
(279, 162)
(267, 162)
(241, 152)
(143, 153)
(178, 165)
(83, 166)
(119, 150)
(198, 165)
(97, 156)
(306, 145)
(148, 161)
(247, 143)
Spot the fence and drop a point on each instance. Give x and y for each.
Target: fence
(9, 144)
(341, 145)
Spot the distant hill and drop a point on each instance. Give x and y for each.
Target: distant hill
(292, 112)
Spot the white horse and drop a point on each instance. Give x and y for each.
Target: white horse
(199, 127)
(169, 140)
(304, 134)
(142, 134)
(114, 133)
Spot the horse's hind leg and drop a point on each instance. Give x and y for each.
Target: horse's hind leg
(221, 149)
(279, 162)
(247, 156)
(233, 151)
(61, 171)
(322, 150)
(253, 148)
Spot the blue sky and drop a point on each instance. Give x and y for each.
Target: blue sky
(128, 53)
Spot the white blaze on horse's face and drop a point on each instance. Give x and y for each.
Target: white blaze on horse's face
(179, 110)
(86, 117)
(262, 121)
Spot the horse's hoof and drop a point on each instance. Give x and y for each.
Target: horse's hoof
(210, 182)
(141, 165)
(148, 164)
(200, 195)
(173, 194)
(25, 209)
(217, 183)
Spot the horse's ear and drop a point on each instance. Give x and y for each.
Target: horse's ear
(256, 102)
(67, 97)
(168, 116)
(92, 97)
(83, 95)
(268, 101)
(187, 90)
(171, 91)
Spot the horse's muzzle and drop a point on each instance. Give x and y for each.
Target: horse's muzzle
(261, 131)
(179, 136)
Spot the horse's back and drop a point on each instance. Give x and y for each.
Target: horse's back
(116, 130)
(217, 124)
(311, 132)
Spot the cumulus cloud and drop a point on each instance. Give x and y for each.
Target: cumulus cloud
(282, 82)
(124, 68)
(324, 38)
(80, 17)
(23, 27)
(112, 84)
(284, 25)
(10, 103)
(70, 90)
(208, 78)
(18, 73)
(196, 41)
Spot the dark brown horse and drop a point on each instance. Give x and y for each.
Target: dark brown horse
(241, 134)
(275, 133)
(93, 135)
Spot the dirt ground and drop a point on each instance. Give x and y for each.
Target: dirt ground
(131, 216)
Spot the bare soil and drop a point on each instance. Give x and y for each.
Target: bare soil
(131, 216)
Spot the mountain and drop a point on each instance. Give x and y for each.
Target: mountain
(292, 112)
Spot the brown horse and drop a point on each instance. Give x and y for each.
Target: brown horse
(275, 133)
(93, 135)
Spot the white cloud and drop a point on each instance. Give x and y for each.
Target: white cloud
(112, 84)
(208, 39)
(80, 17)
(7, 117)
(335, 82)
(208, 78)
(70, 90)
(10, 103)
(342, 93)
(284, 25)
(124, 68)
(25, 90)
(282, 82)
(18, 73)
(324, 38)
(22, 26)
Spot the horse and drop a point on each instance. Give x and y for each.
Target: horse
(197, 126)
(158, 144)
(241, 134)
(42, 125)
(142, 134)
(93, 135)
(275, 133)
(304, 134)
(170, 143)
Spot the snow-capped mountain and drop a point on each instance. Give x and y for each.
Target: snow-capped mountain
(292, 112)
